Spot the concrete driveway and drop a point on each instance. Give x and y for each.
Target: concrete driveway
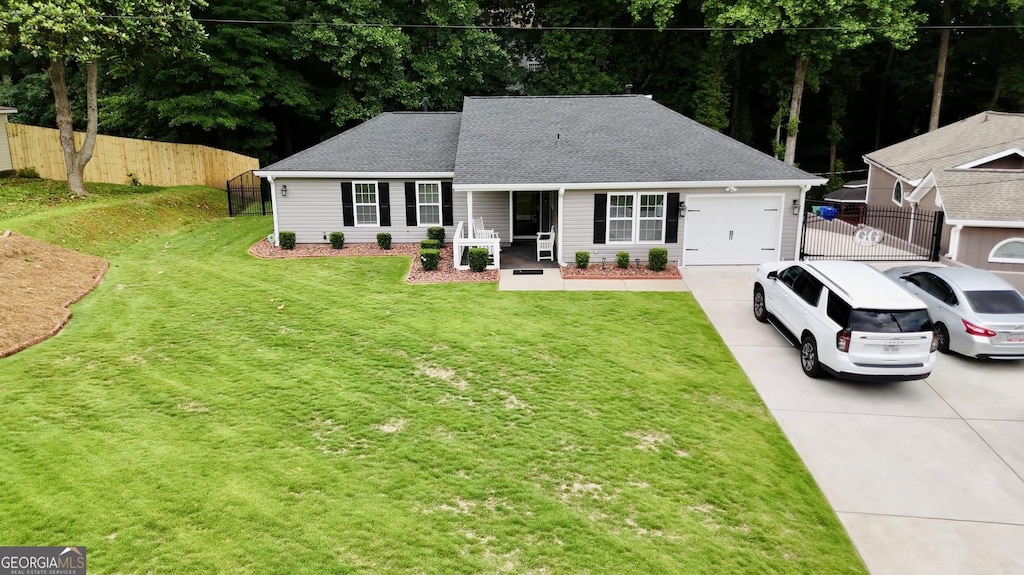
(926, 476)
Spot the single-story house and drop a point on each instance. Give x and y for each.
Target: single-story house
(973, 171)
(608, 173)
(6, 164)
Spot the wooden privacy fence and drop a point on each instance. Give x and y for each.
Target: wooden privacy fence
(152, 163)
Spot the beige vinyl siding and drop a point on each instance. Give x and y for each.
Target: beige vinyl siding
(977, 243)
(578, 222)
(493, 207)
(314, 206)
(5, 147)
(880, 185)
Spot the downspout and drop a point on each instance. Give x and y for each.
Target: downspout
(800, 221)
(913, 213)
(561, 225)
(954, 242)
(273, 204)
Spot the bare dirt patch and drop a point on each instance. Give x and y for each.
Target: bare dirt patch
(40, 281)
(611, 272)
(445, 272)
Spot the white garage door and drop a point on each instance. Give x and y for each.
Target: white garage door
(732, 230)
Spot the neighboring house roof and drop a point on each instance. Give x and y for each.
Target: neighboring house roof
(847, 195)
(977, 193)
(7, 110)
(591, 139)
(391, 142)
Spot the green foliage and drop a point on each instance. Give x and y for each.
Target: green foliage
(133, 180)
(436, 233)
(337, 240)
(28, 173)
(287, 240)
(478, 259)
(430, 259)
(384, 240)
(657, 259)
(430, 244)
(622, 260)
(582, 259)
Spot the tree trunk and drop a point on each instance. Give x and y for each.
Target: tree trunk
(794, 109)
(940, 68)
(74, 159)
(881, 97)
(997, 92)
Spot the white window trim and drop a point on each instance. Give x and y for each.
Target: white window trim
(356, 204)
(991, 158)
(998, 260)
(440, 214)
(636, 218)
(902, 192)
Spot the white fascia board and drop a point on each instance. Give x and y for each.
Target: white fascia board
(922, 189)
(985, 224)
(357, 175)
(892, 173)
(739, 184)
(10, 111)
(990, 158)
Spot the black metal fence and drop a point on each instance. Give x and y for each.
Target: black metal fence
(870, 233)
(248, 195)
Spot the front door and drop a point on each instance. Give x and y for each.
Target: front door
(532, 212)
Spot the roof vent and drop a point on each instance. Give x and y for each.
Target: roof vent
(629, 88)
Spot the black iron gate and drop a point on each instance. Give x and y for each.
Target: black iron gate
(248, 195)
(870, 233)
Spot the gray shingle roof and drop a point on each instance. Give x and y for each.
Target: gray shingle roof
(390, 142)
(967, 194)
(587, 139)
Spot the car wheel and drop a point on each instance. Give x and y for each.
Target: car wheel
(809, 357)
(760, 311)
(942, 334)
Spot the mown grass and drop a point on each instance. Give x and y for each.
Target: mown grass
(209, 412)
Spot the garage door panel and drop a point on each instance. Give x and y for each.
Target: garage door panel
(732, 229)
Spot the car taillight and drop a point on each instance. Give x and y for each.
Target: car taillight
(977, 329)
(935, 341)
(843, 340)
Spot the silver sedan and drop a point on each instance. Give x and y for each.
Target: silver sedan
(976, 313)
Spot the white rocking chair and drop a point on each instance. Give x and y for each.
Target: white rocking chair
(546, 244)
(480, 232)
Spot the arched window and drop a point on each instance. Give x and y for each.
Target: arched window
(1009, 251)
(897, 193)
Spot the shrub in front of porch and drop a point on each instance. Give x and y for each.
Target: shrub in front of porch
(430, 259)
(384, 240)
(436, 233)
(430, 244)
(622, 260)
(287, 240)
(582, 260)
(657, 259)
(478, 259)
(337, 240)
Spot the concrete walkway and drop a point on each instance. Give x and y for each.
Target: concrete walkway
(926, 476)
(551, 280)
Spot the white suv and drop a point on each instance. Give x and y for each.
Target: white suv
(848, 319)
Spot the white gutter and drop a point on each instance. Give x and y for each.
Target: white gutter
(954, 242)
(986, 224)
(635, 185)
(357, 175)
(273, 205)
(890, 172)
(561, 225)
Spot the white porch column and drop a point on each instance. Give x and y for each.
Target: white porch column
(469, 210)
(559, 233)
(273, 205)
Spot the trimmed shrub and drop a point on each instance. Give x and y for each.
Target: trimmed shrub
(430, 259)
(436, 233)
(337, 240)
(28, 173)
(582, 259)
(657, 259)
(287, 240)
(384, 240)
(430, 244)
(622, 260)
(478, 259)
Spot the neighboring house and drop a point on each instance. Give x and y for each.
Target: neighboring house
(5, 148)
(854, 192)
(610, 173)
(973, 170)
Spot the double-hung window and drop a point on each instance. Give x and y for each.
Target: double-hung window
(367, 211)
(428, 203)
(636, 218)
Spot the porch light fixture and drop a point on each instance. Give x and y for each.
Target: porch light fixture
(731, 189)
(796, 207)
(682, 209)
(284, 190)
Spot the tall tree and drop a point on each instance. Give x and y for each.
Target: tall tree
(80, 35)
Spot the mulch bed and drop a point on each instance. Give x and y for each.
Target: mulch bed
(445, 272)
(611, 272)
(40, 281)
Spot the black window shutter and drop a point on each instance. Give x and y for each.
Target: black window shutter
(384, 202)
(347, 210)
(672, 221)
(410, 204)
(447, 217)
(600, 217)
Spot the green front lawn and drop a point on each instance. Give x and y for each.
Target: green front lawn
(208, 412)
